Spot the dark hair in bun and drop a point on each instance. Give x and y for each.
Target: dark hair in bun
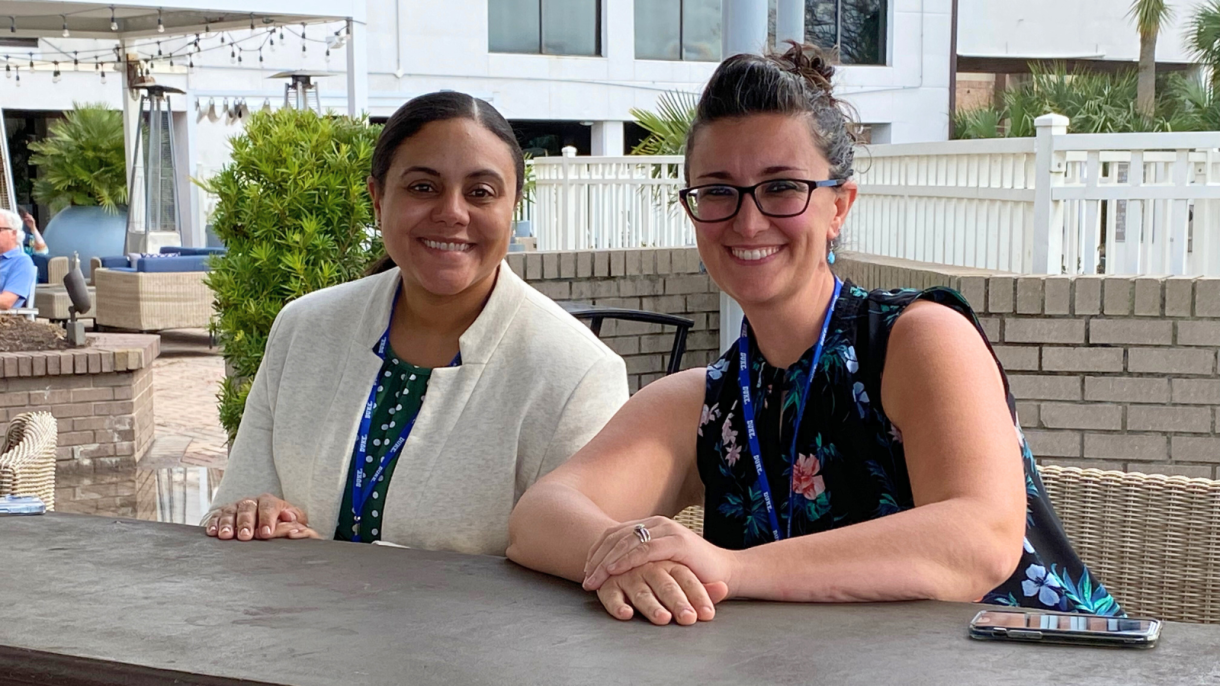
(798, 82)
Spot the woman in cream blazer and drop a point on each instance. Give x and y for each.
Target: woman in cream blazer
(530, 386)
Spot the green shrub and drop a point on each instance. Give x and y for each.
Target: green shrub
(295, 215)
(82, 161)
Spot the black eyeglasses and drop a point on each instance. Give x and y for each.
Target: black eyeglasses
(778, 198)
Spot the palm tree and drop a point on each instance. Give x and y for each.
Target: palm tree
(667, 127)
(1149, 16)
(1203, 39)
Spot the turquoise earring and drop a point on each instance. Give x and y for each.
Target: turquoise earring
(830, 253)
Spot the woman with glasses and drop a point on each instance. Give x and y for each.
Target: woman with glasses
(852, 446)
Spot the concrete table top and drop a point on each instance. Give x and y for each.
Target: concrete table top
(108, 601)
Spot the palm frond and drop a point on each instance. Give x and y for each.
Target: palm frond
(1150, 15)
(668, 125)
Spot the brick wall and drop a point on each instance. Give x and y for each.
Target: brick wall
(669, 281)
(102, 400)
(1109, 372)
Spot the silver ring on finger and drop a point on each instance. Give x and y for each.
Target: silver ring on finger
(641, 532)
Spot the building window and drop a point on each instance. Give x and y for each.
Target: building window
(547, 27)
(856, 28)
(677, 30)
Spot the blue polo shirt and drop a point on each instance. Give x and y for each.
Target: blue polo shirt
(18, 275)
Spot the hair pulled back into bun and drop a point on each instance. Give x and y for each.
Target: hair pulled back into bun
(797, 82)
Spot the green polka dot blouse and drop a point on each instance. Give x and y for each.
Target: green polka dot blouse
(400, 393)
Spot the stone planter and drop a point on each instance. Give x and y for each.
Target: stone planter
(102, 398)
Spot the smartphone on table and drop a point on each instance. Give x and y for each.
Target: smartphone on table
(21, 505)
(1035, 626)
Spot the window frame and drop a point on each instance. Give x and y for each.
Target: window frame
(598, 42)
(886, 55)
(681, 39)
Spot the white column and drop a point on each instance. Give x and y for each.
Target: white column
(357, 69)
(1049, 168)
(743, 29)
(194, 233)
(607, 139)
(789, 22)
(131, 116)
(743, 26)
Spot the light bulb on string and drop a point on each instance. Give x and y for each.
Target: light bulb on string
(251, 21)
(67, 33)
(281, 34)
(239, 58)
(18, 76)
(260, 56)
(160, 23)
(114, 25)
(190, 63)
(55, 76)
(232, 55)
(31, 60)
(222, 39)
(75, 61)
(8, 70)
(159, 53)
(12, 26)
(328, 54)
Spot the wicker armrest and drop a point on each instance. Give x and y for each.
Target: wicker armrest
(27, 460)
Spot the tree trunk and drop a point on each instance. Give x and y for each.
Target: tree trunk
(1146, 95)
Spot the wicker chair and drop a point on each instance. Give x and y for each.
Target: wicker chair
(1153, 540)
(27, 457)
(152, 301)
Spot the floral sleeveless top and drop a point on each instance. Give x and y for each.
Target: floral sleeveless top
(850, 466)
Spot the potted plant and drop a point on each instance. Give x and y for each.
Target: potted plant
(295, 216)
(82, 177)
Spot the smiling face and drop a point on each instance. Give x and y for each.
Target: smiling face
(446, 208)
(756, 259)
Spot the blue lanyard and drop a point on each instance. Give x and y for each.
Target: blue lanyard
(747, 410)
(360, 491)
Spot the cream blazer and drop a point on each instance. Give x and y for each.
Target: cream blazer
(533, 387)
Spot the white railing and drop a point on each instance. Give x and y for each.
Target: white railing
(585, 203)
(1146, 203)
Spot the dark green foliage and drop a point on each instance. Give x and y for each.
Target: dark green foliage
(82, 161)
(295, 214)
(1094, 102)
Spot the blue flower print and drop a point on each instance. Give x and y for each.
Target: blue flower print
(849, 359)
(861, 397)
(715, 371)
(1039, 582)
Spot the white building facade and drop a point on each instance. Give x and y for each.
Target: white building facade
(577, 66)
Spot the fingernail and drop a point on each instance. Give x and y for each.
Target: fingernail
(266, 531)
(659, 614)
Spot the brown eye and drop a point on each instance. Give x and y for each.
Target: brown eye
(421, 187)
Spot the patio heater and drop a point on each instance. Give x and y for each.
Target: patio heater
(154, 215)
(299, 88)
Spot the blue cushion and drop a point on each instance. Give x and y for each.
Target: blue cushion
(122, 269)
(193, 251)
(41, 263)
(117, 262)
(185, 263)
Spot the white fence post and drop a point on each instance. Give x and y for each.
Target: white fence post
(1049, 167)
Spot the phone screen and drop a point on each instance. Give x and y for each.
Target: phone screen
(1060, 622)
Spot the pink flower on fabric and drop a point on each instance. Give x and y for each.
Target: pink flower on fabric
(727, 434)
(807, 477)
(733, 455)
(709, 414)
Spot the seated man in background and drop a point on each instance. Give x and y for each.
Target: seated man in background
(17, 271)
(33, 243)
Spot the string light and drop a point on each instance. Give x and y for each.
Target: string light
(114, 24)
(55, 77)
(75, 61)
(8, 69)
(251, 21)
(31, 60)
(67, 33)
(18, 76)
(12, 26)
(159, 53)
(260, 55)
(190, 63)
(103, 74)
(281, 34)
(160, 24)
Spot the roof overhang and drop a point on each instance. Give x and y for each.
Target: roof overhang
(139, 18)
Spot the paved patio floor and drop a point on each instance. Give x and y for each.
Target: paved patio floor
(186, 378)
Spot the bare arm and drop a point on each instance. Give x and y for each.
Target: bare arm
(641, 464)
(7, 299)
(943, 390)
